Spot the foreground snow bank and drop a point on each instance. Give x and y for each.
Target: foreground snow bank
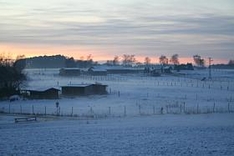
(207, 134)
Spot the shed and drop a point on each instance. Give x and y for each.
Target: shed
(125, 71)
(167, 69)
(42, 93)
(97, 71)
(152, 71)
(76, 90)
(187, 66)
(69, 72)
(83, 89)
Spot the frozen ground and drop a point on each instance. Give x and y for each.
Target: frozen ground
(138, 95)
(206, 134)
(127, 120)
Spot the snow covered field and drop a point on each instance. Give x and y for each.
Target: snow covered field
(204, 134)
(197, 116)
(133, 95)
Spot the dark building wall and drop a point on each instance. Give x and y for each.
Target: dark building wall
(89, 90)
(52, 94)
(84, 90)
(98, 73)
(99, 89)
(73, 91)
(48, 94)
(124, 71)
(187, 66)
(69, 72)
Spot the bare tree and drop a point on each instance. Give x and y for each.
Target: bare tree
(147, 61)
(132, 59)
(128, 60)
(20, 57)
(163, 60)
(125, 59)
(116, 60)
(199, 60)
(175, 59)
(89, 57)
(20, 63)
(231, 62)
(10, 77)
(5, 60)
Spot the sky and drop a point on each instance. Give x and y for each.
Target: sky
(109, 28)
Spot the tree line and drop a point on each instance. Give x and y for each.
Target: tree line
(55, 61)
(11, 77)
(129, 60)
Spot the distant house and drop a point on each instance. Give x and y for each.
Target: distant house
(69, 72)
(97, 71)
(76, 90)
(152, 71)
(125, 70)
(187, 66)
(84, 89)
(167, 69)
(42, 93)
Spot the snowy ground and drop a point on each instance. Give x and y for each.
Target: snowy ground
(133, 95)
(197, 117)
(206, 134)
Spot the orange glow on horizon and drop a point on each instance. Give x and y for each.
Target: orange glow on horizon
(78, 52)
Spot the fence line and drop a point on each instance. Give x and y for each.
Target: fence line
(139, 110)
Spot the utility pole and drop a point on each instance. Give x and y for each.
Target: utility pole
(210, 60)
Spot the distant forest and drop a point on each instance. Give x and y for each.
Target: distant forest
(56, 61)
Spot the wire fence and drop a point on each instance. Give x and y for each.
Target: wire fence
(121, 111)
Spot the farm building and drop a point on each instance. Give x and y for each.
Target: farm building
(187, 66)
(43, 93)
(167, 69)
(125, 71)
(152, 71)
(97, 71)
(84, 89)
(69, 72)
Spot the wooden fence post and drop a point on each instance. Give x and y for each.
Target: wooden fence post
(9, 109)
(109, 110)
(140, 109)
(214, 108)
(45, 110)
(125, 111)
(184, 108)
(33, 109)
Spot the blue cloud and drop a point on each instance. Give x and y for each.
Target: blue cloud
(140, 27)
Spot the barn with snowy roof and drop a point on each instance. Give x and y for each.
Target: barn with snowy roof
(94, 71)
(41, 93)
(69, 72)
(84, 89)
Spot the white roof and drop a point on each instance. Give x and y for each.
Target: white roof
(77, 85)
(40, 89)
